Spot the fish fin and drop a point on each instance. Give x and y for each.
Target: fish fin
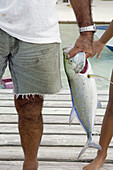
(91, 145)
(98, 76)
(72, 115)
(99, 105)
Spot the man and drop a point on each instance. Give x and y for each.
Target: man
(29, 41)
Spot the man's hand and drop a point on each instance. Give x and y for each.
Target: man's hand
(83, 44)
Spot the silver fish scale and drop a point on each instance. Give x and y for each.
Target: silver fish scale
(80, 85)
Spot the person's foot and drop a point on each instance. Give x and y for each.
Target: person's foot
(30, 165)
(95, 164)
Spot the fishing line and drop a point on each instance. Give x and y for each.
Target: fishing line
(97, 76)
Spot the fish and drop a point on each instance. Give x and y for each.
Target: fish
(83, 93)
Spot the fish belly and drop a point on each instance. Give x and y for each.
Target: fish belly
(84, 99)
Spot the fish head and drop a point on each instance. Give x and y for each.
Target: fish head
(75, 63)
(69, 65)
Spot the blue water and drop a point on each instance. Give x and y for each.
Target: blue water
(102, 66)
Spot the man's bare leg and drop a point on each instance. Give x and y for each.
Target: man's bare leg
(106, 134)
(30, 128)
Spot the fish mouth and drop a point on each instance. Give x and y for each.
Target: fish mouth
(85, 68)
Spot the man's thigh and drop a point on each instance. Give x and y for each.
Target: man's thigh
(35, 68)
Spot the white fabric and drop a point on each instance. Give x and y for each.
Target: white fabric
(30, 20)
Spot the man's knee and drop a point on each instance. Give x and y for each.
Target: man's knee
(29, 108)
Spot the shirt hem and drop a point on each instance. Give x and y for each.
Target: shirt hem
(38, 40)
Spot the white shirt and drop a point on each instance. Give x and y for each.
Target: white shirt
(30, 20)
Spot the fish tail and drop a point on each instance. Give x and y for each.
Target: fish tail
(91, 145)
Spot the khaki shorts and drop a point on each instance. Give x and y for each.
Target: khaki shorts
(35, 68)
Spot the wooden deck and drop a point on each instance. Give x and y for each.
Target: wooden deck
(60, 144)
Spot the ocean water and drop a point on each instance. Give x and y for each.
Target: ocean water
(102, 66)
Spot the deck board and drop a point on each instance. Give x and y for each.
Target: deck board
(48, 104)
(47, 111)
(55, 119)
(50, 140)
(60, 143)
(43, 165)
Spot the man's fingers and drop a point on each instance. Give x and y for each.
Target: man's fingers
(73, 52)
(87, 55)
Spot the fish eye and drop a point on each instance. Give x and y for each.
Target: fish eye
(69, 62)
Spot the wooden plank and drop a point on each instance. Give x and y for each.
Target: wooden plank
(8, 110)
(48, 119)
(44, 165)
(68, 154)
(68, 140)
(51, 129)
(6, 91)
(11, 165)
(55, 97)
(68, 166)
(63, 91)
(50, 140)
(48, 111)
(67, 91)
(59, 104)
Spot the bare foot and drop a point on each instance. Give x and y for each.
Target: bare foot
(95, 164)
